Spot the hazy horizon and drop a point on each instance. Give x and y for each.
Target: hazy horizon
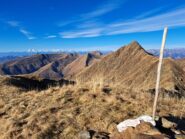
(83, 50)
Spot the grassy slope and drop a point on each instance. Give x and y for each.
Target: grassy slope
(64, 112)
(133, 68)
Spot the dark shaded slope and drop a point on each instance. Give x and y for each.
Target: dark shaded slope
(54, 70)
(27, 65)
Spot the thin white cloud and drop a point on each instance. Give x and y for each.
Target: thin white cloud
(86, 33)
(172, 19)
(151, 12)
(21, 29)
(27, 34)
(13, 23)
(103, 9)
(65, 23)
(50, 37)
(89, 24)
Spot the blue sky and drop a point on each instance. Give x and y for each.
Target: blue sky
(89, 24)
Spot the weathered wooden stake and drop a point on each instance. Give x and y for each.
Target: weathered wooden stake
(159, 72)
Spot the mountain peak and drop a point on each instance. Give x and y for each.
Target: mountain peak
(96, 53)
(132, 49)
(135, 45)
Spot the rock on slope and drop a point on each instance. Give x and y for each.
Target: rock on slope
(133, 68)
(166, 128)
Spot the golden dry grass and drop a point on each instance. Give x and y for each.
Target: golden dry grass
(62, 112)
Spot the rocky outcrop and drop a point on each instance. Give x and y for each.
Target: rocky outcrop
(166, 128)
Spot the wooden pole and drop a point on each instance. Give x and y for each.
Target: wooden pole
(159, 72)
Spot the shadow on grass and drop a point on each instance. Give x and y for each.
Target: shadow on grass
(33, 84)
(180, 122)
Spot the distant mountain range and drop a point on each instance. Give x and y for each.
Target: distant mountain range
(7, 58)
(131, 66)
(49, 66)
(177, 53)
